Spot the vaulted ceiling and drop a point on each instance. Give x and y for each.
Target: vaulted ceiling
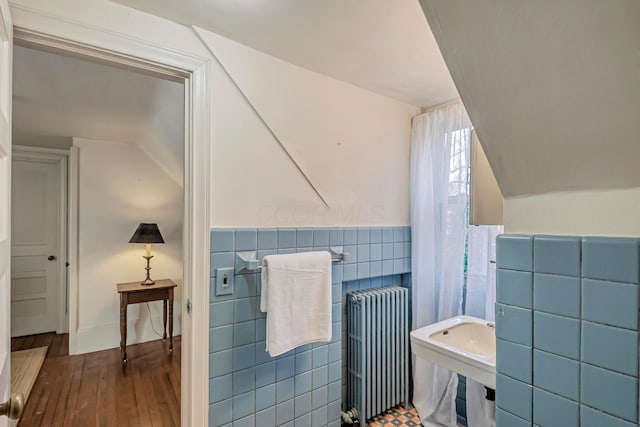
(57, 97)
(380, 45)
(552, 88)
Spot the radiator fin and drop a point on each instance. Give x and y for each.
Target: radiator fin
(378, 349)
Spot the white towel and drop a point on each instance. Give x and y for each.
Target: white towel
(296, 295)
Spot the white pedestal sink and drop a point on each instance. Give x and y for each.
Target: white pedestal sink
(462, 344)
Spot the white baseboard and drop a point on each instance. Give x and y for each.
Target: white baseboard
(104, 337)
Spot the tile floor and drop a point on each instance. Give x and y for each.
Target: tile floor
(394, 417)
(397, 417)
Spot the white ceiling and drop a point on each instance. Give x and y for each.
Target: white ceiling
(384, 46)
(552, 88)
(57, 97)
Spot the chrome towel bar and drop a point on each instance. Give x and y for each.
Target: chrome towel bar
(248, 261)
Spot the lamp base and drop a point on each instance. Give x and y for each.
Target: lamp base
(147, 280)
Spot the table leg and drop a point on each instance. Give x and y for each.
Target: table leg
(164, 319)
(171, 319)
(123, 327)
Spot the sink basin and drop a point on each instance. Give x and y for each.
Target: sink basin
(462, 344)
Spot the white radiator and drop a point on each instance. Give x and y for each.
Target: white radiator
(378, 349)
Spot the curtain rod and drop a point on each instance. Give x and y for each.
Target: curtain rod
(441, 105)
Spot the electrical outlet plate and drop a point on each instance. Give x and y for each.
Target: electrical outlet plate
(224, 281)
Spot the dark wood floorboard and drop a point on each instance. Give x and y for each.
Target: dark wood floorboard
(95, 390)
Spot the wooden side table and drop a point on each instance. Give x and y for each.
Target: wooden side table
(135, 293)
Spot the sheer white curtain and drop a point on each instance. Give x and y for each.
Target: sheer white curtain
(439, 199)
(481, 297)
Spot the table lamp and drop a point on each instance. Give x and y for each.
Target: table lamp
(147, 233)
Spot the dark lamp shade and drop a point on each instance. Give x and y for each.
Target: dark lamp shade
(147, 233)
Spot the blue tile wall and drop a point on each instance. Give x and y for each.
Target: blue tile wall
(556, 294)
(514, 396)
(567, 331)
(612, 259)
(557, 255)
(551, 410)
(517, 289)
(515, 360)
(590, 417)
(557, 334)
(515, 252)
(505, 419)
(461, 401)
(613, 393)
(610, 303)
(517, 324)
(556, 374)
(305, 387)
(609, 347)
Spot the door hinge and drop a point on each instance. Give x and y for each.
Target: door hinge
(188, 306)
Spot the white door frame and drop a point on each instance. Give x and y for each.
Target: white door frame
(6, 36)
(39, 29)
(60, 157)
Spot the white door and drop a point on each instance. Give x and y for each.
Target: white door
(35, 229)
(6, 40)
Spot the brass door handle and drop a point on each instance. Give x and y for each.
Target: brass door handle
(51, 257)
(13, 407)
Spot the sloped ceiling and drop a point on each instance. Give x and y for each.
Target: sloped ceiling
(57, 97)
(552, 87)
(384, 46)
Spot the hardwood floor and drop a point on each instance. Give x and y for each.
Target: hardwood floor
(95, 390)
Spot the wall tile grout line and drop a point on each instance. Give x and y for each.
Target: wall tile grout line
(580, 331)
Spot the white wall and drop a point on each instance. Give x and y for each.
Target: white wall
(119, 187)
(353, 144)
(598, 213)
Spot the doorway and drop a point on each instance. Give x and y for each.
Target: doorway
(156, 52)
(128, 172)
(38, 241)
